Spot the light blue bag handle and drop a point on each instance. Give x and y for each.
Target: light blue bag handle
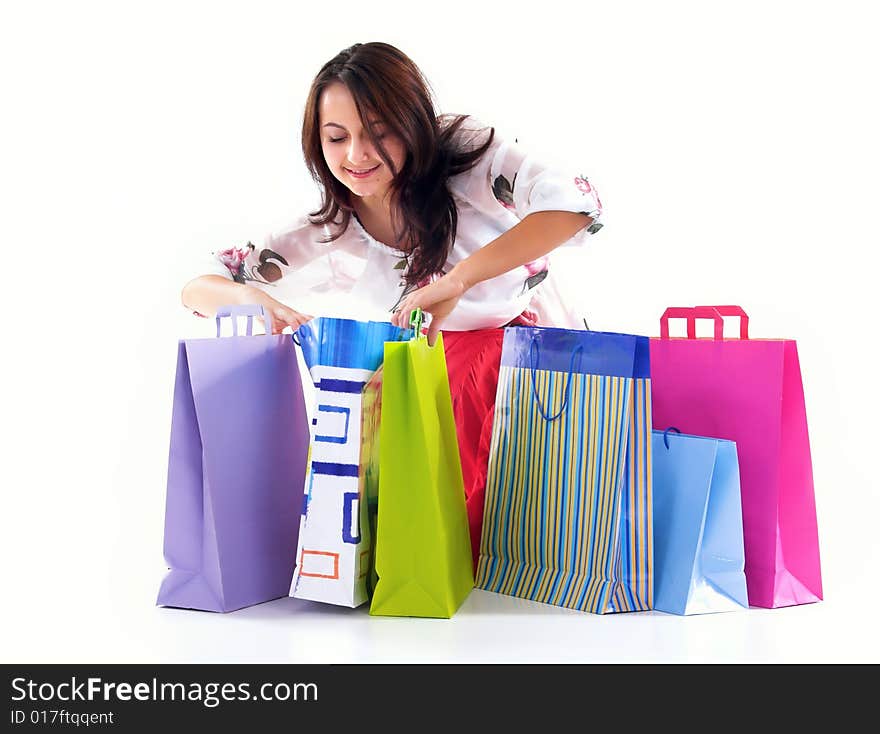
(533, 365)
(250, 310)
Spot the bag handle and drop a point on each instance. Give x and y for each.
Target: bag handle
(734, 311)
(533, 365)
(416, 317)
(691, 314)
(249, 310)
(666, 435)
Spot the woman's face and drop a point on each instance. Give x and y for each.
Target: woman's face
(350, 155)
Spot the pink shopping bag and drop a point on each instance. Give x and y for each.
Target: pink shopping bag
(749, 391)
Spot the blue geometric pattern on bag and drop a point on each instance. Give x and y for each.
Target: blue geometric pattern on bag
(334, 409)
(308, 494)
(334, 470)
(341, 356)
(349, 511)
(344, 386)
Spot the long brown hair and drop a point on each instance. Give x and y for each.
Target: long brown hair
(385, 83)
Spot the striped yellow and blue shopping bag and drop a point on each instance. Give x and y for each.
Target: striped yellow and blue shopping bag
(568, 515)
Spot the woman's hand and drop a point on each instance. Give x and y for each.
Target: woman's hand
(207, 293)
(282, 316)
(438, 299)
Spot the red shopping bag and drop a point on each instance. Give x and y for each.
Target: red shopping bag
(472, 361)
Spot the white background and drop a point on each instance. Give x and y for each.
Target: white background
(735, 149)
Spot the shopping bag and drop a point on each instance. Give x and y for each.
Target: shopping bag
(568, 510)
(423, 561)
(333, 556)
(749, 391)
(371, 412)
(472, 361)
(698, 541)
(239, 439)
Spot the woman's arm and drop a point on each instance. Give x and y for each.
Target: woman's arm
(207, 293)
(533, 237)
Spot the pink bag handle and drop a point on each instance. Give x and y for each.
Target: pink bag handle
(691, 314)
(734, 311)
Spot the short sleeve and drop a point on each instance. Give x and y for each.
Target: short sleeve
(284, 250)
(509, 177)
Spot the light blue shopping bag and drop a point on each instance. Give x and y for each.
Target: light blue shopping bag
(698, 536)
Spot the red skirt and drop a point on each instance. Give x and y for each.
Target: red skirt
(472, 361)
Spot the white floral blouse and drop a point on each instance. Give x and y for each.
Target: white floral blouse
(356, 276)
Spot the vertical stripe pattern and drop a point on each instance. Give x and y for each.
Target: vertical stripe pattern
(568, 502)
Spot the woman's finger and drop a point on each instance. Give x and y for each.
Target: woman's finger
(433, 330)
(406, 309)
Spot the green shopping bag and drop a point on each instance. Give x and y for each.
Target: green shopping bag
(412, 480)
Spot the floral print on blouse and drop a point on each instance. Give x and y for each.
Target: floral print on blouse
(267, 271)
(358, 277)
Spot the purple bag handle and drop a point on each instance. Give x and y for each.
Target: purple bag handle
(734, 311)
(692, 314)
(249, 310)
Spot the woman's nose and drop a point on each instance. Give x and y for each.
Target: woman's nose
(358, 150)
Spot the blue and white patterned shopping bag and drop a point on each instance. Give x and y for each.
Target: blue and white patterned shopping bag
(333, 557)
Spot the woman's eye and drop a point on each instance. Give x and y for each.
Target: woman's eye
(335, 140)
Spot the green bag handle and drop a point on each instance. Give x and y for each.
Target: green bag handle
(416, 317)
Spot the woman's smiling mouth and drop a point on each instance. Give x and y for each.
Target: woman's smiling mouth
(361, 172)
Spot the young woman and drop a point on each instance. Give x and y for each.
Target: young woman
(417, 210)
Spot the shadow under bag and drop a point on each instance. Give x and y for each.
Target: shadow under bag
(567, 519)
(239, 439)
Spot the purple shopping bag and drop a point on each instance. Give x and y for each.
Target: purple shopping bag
(236, 468)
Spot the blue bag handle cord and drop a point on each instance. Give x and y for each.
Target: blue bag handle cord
(666, 435)
(533, 359)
